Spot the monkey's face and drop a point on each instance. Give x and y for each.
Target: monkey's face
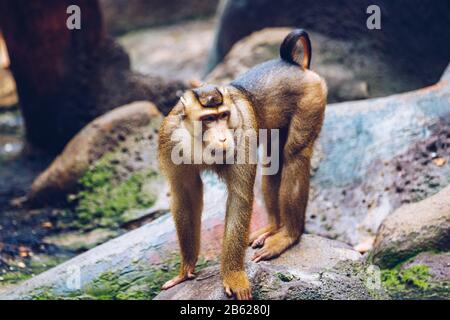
(210, 116)
(217, 136)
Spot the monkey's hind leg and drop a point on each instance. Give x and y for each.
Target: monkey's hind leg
(304, 129)
(186, 207)
(293, 198)
(270, 188)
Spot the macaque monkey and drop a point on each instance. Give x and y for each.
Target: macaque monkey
(279, 94)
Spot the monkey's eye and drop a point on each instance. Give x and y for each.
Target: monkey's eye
(209, 119)
(224, 115)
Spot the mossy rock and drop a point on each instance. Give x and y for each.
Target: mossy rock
(425, 276)
(135, 282)
(316, 268)
(127, 134)
(414, 228)
(106, 195)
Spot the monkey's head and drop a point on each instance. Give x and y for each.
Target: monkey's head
(210, 115)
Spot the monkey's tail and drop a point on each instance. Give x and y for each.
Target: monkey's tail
(289, 48)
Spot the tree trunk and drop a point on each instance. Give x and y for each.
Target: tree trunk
(64, 77)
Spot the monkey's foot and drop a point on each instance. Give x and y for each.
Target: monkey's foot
(258, 237)
(259, 242)
(189, 275)
(237, 283)
(274, 246)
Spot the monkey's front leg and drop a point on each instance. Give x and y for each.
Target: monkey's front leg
(237, 225)
(186, 207)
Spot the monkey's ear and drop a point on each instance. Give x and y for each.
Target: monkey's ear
(183, 108)
(227, 99)
(225, 90)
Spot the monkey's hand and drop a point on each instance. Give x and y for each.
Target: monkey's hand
(183, 276)
(237, 283)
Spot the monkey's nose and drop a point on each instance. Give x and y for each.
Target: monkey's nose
(223, 140)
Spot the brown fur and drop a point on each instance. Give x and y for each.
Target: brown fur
(293, 101)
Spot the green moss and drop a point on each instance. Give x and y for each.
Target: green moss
(48, 293)
(415, 276)
(418, 281)
(44, 294)
(136, 284)
(398, 281)
(132, 283)
(14, 277)
(104, 197)
(105, 287)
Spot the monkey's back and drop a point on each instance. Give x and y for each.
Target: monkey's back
(270, 85)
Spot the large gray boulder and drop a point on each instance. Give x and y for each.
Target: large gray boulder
(374, 156)
(317, 268)
(414, 228)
